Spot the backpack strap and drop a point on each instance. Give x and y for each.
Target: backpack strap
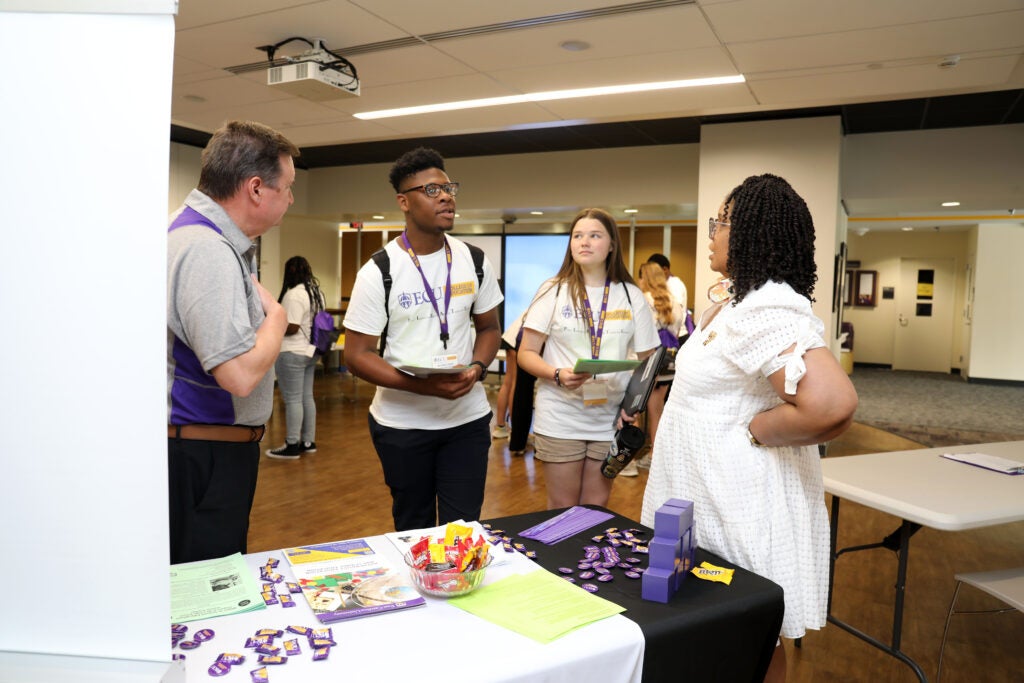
(383, 261)
(190, 216)
(478, 263)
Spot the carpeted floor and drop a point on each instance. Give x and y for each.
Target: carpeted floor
(938, 410)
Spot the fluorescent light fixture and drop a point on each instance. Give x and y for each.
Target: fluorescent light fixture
(951, 203)
(548, 96)
(378, 218)
(906, 228)
(537, 213)
(631, 211)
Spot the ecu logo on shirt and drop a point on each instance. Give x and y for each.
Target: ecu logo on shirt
(619, 314)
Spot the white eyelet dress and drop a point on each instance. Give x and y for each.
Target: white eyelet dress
(762, 508)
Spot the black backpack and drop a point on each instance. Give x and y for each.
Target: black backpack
(383, 261)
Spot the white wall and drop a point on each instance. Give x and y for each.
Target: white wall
(997, 327)
(82, 370)
(596, 177)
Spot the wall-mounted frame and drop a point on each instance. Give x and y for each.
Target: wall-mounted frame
(867, 288)
(848, 289)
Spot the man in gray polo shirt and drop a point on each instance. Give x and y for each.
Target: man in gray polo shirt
(224, 332)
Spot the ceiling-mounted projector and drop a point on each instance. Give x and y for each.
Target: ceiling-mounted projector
(316, 74)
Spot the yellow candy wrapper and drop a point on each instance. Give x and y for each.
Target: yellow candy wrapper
(710, 572)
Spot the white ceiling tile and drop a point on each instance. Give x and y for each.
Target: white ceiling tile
(899, 82)
(931, 39)
(609, 37)
(422, 17)
(406, 65)
(749, 20)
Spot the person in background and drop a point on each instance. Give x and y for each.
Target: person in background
(668, 318)
(431, 429)
(509, 342)
(756, 389)
(296, 365)
(591, 309)
(676, 287)
(224, 332)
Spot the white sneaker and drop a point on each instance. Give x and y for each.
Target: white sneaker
(630, 470)
(499, 432)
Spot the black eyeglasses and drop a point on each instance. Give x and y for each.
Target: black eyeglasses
(713, 224)
(434, 189)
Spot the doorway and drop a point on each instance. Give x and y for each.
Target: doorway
(924, 315)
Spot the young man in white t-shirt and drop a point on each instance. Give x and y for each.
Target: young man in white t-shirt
(430, 423)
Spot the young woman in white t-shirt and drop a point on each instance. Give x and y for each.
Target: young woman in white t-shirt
(591, 309)
(296, 364)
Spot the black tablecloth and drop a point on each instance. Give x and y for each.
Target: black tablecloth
(707, 632)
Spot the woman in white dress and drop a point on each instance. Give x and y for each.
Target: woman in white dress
(590, 310)
(756, 389)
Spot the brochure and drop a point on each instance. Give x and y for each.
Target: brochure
(989, 462)
(419, 371)
(213, 588)
(349, 579)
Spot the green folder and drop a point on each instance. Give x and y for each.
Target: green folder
(597, 367)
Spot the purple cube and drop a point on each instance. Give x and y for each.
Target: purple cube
(658, 585)
(663, 553)
(673, 518)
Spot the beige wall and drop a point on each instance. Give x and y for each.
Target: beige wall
(874, 327)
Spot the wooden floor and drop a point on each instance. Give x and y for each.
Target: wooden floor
(339, 493)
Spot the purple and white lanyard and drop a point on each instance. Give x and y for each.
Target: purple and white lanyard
(443, 317)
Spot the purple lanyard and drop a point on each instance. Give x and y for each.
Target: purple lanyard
(430, 290)
(595, 334)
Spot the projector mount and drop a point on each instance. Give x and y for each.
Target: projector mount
(324, 58)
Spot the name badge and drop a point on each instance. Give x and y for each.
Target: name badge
(595, 392)
(445, 361)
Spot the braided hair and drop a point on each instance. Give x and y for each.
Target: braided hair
(771, 237)
(298, 272)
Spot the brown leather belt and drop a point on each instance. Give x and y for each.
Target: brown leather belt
(234, 433)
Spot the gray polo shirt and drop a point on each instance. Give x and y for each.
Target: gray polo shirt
(213, 311)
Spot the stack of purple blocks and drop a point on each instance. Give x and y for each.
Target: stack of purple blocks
(672, 551)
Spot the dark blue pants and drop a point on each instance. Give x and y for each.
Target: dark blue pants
(436, 476)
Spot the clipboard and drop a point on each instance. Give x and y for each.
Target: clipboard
(642, 383)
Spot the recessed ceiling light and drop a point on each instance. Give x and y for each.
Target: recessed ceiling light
(631, 211)
(906, 228)
(549, 95)
(457, 216)
(575, 45)
(951, 203)
(378, 218)
(537, 213)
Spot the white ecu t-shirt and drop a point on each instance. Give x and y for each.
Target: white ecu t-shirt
(628, 328)
(414, 330)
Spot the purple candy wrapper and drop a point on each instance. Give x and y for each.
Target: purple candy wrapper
(260, 675)
(219, 669)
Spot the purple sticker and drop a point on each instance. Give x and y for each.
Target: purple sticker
(219, 669)
(569, 579)
(632, 574)
(589, 587)
(604, 578)
(188, 645)
(203, 635)
(564, 570)
(600, 570)
(587, 574)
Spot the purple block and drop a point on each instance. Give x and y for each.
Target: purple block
(663, 553)
(658, 585)
(675, 516)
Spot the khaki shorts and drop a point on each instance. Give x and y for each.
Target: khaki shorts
(551, 449)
